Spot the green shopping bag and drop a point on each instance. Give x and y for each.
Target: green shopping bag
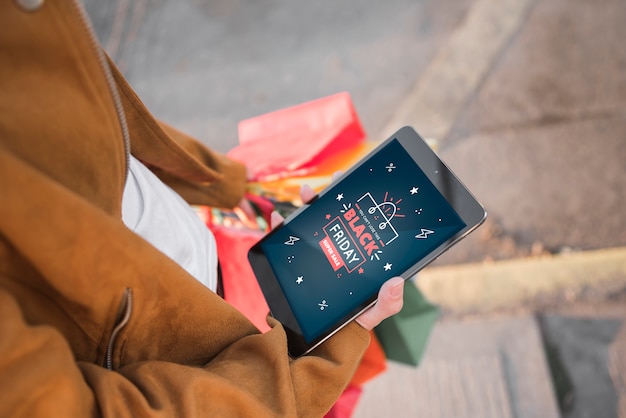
(404, 336)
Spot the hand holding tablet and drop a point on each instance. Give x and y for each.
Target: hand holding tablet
(389, 215)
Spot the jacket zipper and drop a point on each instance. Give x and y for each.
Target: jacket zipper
(127, 300)
(127, 309)
(109, 78)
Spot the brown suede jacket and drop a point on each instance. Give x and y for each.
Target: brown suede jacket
(94, 321)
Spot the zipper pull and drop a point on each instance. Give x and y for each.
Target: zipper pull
(123, 316)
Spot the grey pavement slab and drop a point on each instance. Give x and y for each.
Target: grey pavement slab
(204, 65)
(472, 368)
(617, 368)
(567, 64)
(542, 140)
(560, 185)
(582, 347)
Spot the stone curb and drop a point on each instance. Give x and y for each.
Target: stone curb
(511, 284)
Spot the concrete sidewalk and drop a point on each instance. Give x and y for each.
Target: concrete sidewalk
(488, 368)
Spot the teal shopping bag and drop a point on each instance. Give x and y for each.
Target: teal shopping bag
(404, 336)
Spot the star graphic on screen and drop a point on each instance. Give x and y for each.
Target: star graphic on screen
(328, 216)
(387, 267)
(300, 279)
(361, 270)
(339, 196)
(414, 190)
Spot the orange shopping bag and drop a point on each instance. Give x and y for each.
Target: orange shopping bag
(373, 363)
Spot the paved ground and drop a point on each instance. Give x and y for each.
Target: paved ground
(493, 368)
(548, 121)
(530, 92)
(526, 100)
(205, 65)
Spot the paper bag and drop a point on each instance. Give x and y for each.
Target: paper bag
(404, 336)
(293, 141)
(345, 405)
(240, 286)
(372, 364)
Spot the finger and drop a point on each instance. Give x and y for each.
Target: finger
(249, 174)
(337, 174)
(307, 193)
(275, 219)
(389, 303)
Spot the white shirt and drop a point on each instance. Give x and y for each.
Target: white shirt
(158, 214)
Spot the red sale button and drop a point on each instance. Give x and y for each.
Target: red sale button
(331, 254)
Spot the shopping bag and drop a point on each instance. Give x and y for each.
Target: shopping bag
(345, 405)
(404, 336)
(293, 141)
(287, 189)
(372, 364)
(240, 286)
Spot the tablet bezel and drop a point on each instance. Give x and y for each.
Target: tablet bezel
(445, 181)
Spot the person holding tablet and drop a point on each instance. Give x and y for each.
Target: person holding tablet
(107, 302)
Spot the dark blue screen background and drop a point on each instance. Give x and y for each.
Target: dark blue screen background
(371, 226)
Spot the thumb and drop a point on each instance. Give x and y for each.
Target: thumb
(389, 303)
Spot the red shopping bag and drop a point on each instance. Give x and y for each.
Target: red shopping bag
(293, 141)
(240, 286)
(373, 363)
(345, 405)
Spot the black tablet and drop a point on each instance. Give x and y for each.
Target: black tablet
(389, 215)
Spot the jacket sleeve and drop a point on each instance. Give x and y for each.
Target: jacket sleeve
(251, 378)
(200, 175)
(231, 176)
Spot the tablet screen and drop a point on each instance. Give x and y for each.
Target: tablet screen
(373, 225)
